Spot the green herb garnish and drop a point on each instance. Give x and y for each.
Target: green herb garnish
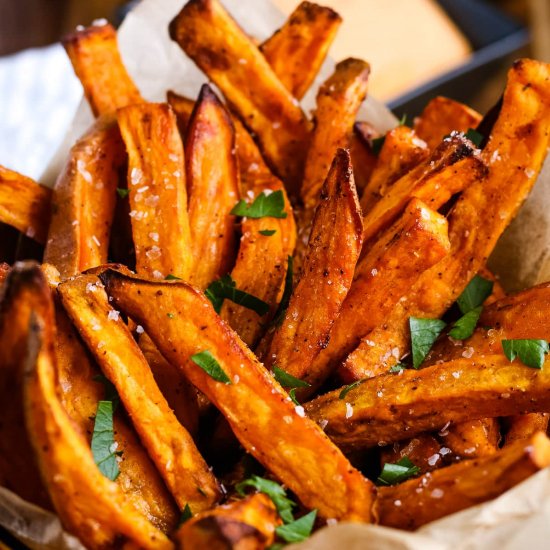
(267, 232)
(186, 514)
(348, 388)
(477, 291)
(207, 362)
(288, 381)
(398, 367)
(265, 205)
(398, 472)
(103, 441)
(465, 326)
(171, 277)
(530, 352)
(122, 193)
(424, 332)
(298, 530)
(475, 137)
(226, 288)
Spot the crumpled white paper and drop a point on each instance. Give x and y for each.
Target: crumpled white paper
(518, 519)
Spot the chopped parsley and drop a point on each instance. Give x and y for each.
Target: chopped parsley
(346, 389)
(530, 352)
(171, 277)
(465, 326)
(396, 473)
(103, 440)
(208, 363)
(398, 367)
(122, 193)
(267, 232)
(265, 205)
(475, 137)
(475, 293)
(424, 332)
(226, 288)
(288, 381)
(186, 514)
(298, 530)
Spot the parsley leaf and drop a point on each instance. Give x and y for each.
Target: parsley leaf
(274, 491)
(347, 389)
(398, 367)
(122, 193)
(477, 291)
(474, 136)
(265, 205)
(298, 530)
(226, 287)
(424, 332)
(287, 380)
(207, 362)
(465, 326)
(530, 352)
(103, 441)
(170, 315)
(396, 473)
(171, 277)
(403, 120)
(287, 293)
(267, 232)
(186, 514)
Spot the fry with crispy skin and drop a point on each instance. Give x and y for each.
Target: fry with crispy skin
(242, 524)
(474, 438)
(392, 407)
(169, 444)
(338, 101)
(84, 199)
(523, 426)
(89, 505)
(24, 204)
(416, 502)
(213, 183)
(157, 191)
(182, 323)
(94, 54)
(451, 168)
(333, 251)
(401, 152)
(441, 116)
(420, 450)
(297, 50)
(208, 34)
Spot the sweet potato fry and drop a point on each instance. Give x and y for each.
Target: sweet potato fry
(84, 201)
(169, 444)
(338, 101)
(24, 204)
(182, 323)
(178, 392)
(416, 502)
(23, 292)
(243, 524)
(80, 393)
(157, 191)
(297, 50)
(413, 244)
(513, 167)
(401, 152)
(213, 183)
(420, 450)
(474, 438)
(441, 116)
(333, 251)
(523, 426)
(451, 168)
(89, 505)
(391, 407)
(208, 34)
(96, 61)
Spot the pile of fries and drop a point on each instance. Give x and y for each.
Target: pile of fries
(248, 324)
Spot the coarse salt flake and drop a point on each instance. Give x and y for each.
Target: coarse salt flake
(437, 493)
(114, 315)
(300, 411)
(135, 176)
(349, 410)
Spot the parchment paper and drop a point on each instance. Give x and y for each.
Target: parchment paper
(518, 519)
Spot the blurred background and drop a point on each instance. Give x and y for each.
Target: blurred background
(417, 49)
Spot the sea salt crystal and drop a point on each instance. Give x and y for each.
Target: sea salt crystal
(142, 189)
(96, 327)
(114, 315)
(287, 419)
(323, 423)
(374, 272)
(140, 329)
(81, 167)
(154, 237)
(529, 173)
(467, 353)
(349, 410)
(236, 379)
(456, 374)
(173, 157)
(332, 521)
(157, 274)
(437, 493)
(397, 502)
(135, 176)
(300, 411)
(445, 430)
(444, 451)
(152, 200)
(96, 240)
(432, 461)
(153, 253)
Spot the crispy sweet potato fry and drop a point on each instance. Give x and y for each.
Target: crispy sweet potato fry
(420, 450)
(413, 244)
(441, 116)
(208, 34)
(451, 168)
(178, 392)
(24, 204)
(169, 444)
(523, 426)
(391, 407)
(181, 322)
(462, 485)
(213, 183)
(401, 152)
(84, 201)
(96, 61)
(139, 480)
(297, 50)
(513, 167)
(333, 251)
(247, 524)
(24, 291)
(89, 505)
(474, 438)
(158, 195)
(338, 101)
